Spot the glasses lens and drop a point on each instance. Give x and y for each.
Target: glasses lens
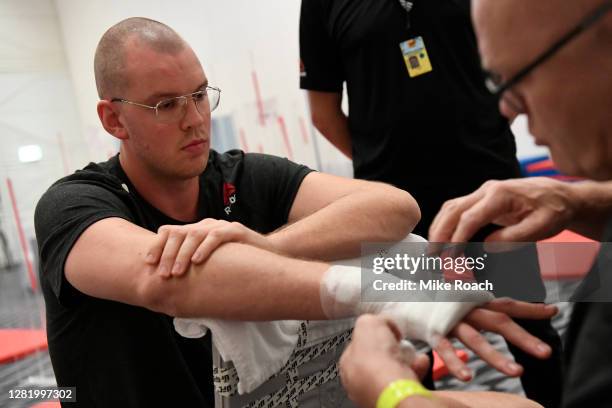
(173, 109)
(214, 95)
(170, 110)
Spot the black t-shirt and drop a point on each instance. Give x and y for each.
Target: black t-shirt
(439, 135)
(588, 346)
(118, 355)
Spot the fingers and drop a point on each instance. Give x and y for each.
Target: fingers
(168, 256)
(479, 215)
(534, 227)
(476, 342)
(521, 310)
(420, 365)
(212, 241)
(188, 248)
(445, 223)
(154, 253)
(176, 247)
(455, 366)
(503, 325)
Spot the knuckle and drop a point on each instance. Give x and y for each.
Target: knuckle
(197, 233)
(474, 338)
(505, 302)
(450, 204)
(216, 233)
(468, 217)
(501, 319)
(497, 187)
(490, 184)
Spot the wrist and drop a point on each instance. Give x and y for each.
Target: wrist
(576, 194)
(399, 390)
(275, 243)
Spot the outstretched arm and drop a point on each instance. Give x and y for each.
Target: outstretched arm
(237, 282)
(240, 282)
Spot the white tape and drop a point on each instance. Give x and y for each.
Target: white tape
(419, 318)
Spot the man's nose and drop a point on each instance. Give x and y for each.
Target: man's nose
(193, 115)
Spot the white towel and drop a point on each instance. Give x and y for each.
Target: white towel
(258, 350)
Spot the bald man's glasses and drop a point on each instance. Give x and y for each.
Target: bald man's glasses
(173, 109)
(498, 87)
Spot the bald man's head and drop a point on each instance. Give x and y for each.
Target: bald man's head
(568, 97)
(529, 25)
(110, 58)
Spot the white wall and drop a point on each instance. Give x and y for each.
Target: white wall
(526, 148)
(235, 40)
(36, 107)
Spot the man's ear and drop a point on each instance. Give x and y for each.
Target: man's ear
(110, 120)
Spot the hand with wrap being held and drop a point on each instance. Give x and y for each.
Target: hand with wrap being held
(435, 321)
(377, 359)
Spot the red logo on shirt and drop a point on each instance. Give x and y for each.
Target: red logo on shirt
(229, 197)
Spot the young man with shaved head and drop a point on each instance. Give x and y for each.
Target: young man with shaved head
(550, 60)
(112, 284)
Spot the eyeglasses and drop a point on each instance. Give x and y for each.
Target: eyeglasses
(498, 87)
(173, 109)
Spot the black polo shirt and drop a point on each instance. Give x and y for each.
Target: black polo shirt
(438, 135)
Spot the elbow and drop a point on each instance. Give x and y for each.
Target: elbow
(407, 214)
(159, 294)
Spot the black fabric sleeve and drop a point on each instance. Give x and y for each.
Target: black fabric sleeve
(273, 183)
(61, 216)
(588, 376)
(321, 68)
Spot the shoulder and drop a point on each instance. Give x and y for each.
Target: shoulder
(94, 177)
(96, 185)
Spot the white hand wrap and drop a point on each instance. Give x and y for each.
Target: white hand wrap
(419, 319)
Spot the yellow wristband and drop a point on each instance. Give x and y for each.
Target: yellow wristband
(398, 391)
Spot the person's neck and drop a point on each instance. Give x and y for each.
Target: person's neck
(178, 199)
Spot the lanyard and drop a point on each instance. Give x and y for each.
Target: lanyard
(407, 5)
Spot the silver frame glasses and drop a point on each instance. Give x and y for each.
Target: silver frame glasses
(182, 100)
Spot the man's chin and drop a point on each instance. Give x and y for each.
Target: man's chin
(572, 167)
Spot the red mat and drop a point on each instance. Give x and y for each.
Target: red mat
(439, 368)
(19, 343)
(566, 256)
(48, 404)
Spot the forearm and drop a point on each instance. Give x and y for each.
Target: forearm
(436, 402)
(475, 399)
(239, 282)
(378, 213)
(334, 127)
(330, 120)
(593, 207)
